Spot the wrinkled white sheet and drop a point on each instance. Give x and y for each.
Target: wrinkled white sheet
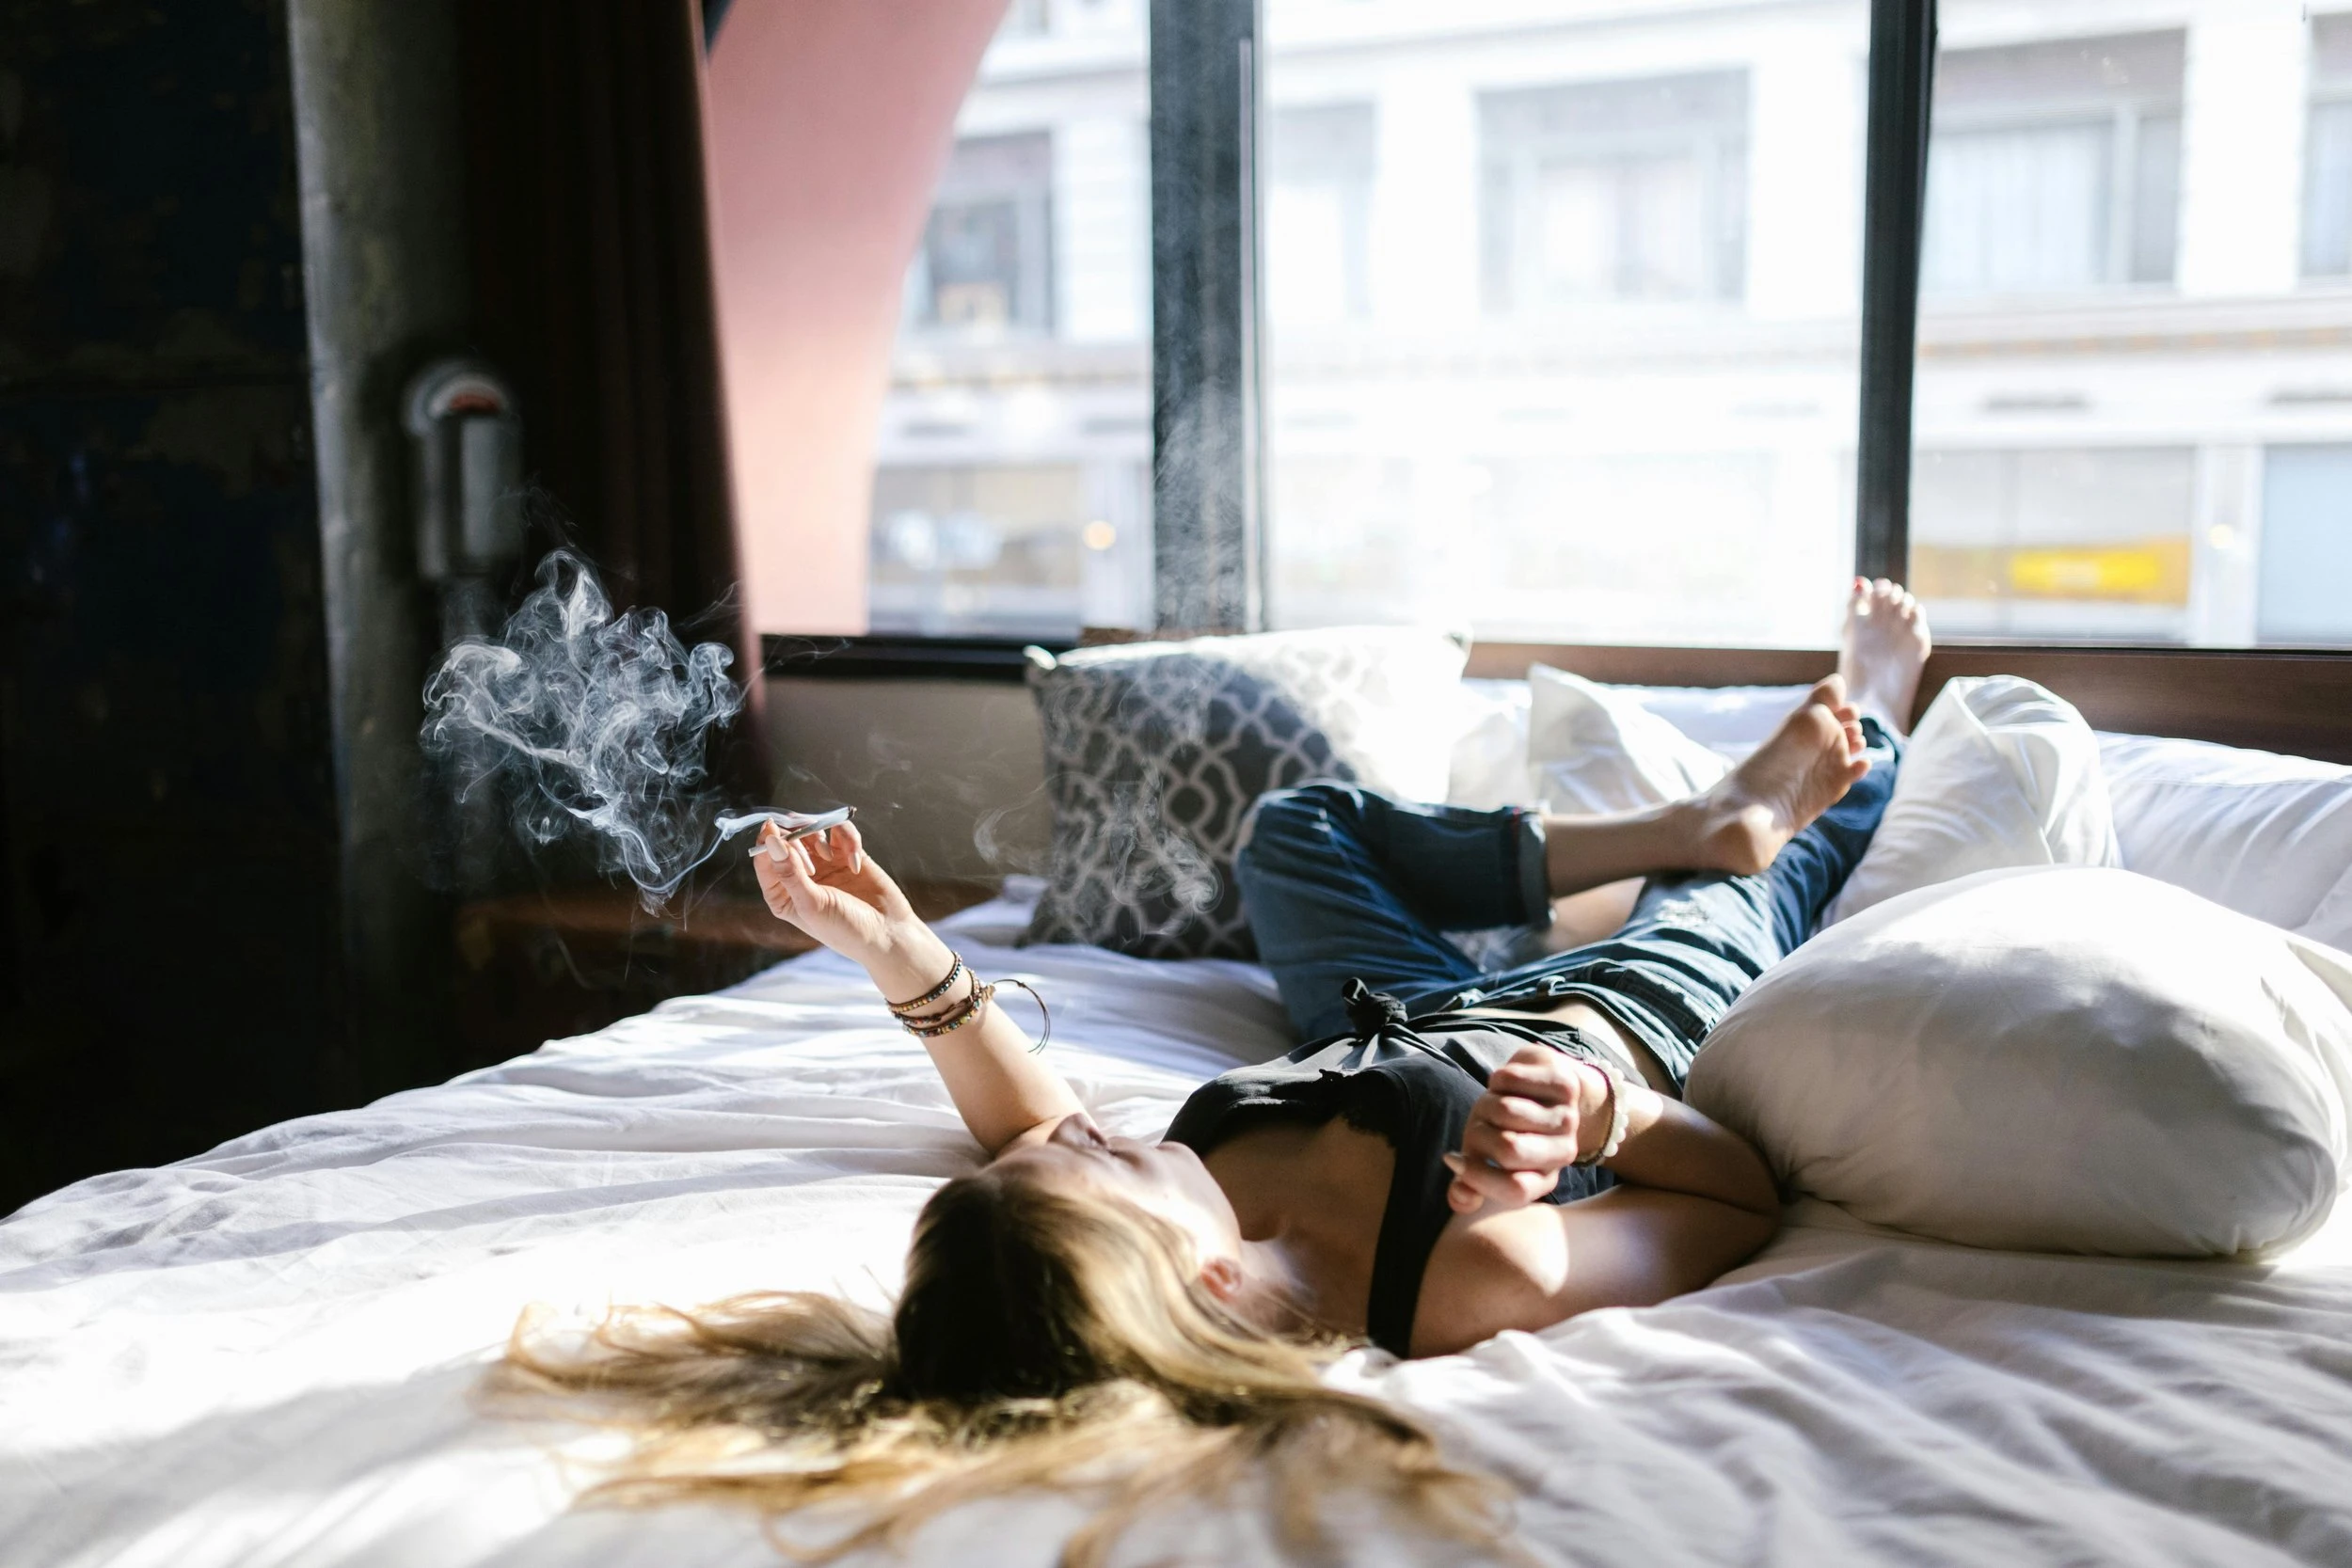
(262, 1357)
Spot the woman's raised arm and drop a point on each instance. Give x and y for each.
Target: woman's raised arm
(827, 886)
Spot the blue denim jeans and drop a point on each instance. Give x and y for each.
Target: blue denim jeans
(1341, 883)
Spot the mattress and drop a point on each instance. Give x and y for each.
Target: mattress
(264, 1357)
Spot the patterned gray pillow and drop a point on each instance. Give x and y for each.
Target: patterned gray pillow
(1154, 752)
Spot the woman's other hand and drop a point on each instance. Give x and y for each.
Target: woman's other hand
(1529, 1126)
(826, 884)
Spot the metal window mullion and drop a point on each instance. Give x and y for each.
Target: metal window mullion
(1902, 74)
(1207, 472)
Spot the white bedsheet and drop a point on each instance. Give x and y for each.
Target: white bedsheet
(262, 1357)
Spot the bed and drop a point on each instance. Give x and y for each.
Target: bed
(265, 1355)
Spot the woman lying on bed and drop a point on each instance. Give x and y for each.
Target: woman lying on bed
(1454, 1154)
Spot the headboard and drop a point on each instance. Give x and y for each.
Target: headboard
(2298, 701)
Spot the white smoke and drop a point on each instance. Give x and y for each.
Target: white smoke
(597, 725)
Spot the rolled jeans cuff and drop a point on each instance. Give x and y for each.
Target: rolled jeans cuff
(1535, 879)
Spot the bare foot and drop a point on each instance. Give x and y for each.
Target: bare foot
(1802, 771)
(1886, 644)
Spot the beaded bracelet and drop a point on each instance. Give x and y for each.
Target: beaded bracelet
(954, 1018)
(928, 1026)
(905, 1009)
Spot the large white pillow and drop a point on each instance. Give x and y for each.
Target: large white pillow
(2001, 773)
(2266, 835)
(1487, 766)
(1593, 749)
(2331, 923)
(2064, 1059)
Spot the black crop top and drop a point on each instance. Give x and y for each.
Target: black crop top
(1411, 1084)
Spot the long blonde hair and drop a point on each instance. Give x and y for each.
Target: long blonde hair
(1044, 1339)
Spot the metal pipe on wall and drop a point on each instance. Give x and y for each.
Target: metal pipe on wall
(380, 164)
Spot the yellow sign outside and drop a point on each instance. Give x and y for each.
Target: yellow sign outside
(2141, 571)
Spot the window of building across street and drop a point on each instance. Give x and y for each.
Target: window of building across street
(2134, 392)
(1562, 318)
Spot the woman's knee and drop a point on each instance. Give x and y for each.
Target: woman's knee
(1303, 818)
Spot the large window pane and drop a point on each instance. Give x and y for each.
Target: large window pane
(1562, 315)
(2306, 585)
(1012, 468)
(2134, 381)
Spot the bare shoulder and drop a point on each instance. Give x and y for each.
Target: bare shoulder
(1532, 1267)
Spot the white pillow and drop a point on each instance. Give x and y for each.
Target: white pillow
(1488, 763)
(1592, 749)
(2331, 923)
(1730, 720)
(2266, 835)
(2001, 773)
(2062, 1059)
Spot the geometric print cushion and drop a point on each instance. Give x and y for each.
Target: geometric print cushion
(1155, 752)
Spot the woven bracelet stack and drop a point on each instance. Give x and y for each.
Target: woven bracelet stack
(926, 1020)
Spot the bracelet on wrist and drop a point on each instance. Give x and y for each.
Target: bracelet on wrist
(918, 1017)
(954, 1018)
(907, 1009)
(1618, 1117)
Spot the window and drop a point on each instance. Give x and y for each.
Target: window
(1319, 200)
(1558, 326)
(986, 264)
(1613, 191)
(2053, 166)
(2302, 594)
(2328, 153)
(1561, 313)
(1005, 548)
(2128, 418)
(1028, 18)
(2065, 542)
(969, 202)
(1012, 472)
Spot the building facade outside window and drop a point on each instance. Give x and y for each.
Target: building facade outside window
(2134, 376)
(1012, 467)
(1321, 163)
(1599, 383)
(2328, 153)
(2304, 594)
(1622, 190)
(985, 267)
(2053, 166)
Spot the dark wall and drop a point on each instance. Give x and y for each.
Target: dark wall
(168, 933)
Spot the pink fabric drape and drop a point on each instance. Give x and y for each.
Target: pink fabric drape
(831, 121)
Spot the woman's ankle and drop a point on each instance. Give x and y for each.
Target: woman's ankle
(1582, 853)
